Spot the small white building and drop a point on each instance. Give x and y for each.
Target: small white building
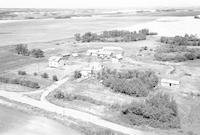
(95, 66)
(86, 72)
(112, 48)
(56, 61)
(116, 51)
(75, 54)
(104, 53)
(92, 52)
(170, 83)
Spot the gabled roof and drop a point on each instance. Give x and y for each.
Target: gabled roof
(112, 48)
(55, 58)
(170, 81)
(104, 52)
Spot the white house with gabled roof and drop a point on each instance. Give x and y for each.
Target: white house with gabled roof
(56, 61)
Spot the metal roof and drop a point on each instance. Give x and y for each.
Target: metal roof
(170, 81)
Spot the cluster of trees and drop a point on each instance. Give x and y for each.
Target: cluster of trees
(176, 53)
(22, 49)
(181, 40)
(77, 74)
(158, 111)
(114, 36)
(20, 81)
(133, 83)
(21, 73)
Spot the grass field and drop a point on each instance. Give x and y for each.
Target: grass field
(10, 60)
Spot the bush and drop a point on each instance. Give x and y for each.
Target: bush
(37, 53)
(55, 78)
(159, 111)
(19, 81)
(22, 49)
(77, 37)
(77, 74)
(45, 75)
(35, 74)
(21, 73)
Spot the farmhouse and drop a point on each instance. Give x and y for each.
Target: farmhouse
(56, 61)
(92, 69)
(104, 53)
(92, 52)
(170, 83)
(112, 48)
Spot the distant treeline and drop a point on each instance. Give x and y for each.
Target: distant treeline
(179, 40)
(114, 36)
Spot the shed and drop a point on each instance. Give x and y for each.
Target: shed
(56, 61)
(92, 52)
(170, 83)
(104, 53)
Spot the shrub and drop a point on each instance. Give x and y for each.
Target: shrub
(22, 49)
(77, 37)
(37, 53)
(55, 78)
(21, 73)
(19, 81)
(59, 95)
(77, 74)
(45, 75)
(159, 111)
(35, 74)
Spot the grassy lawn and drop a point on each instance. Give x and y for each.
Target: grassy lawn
(35, 96)
(10, 60)
(95, 98)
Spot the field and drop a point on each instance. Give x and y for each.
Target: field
(53, 29)
(89, 94)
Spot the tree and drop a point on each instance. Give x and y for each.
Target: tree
(77, 74)
(37, 53)
(77, 37)
(22, 49)
(21, 72)
(55, 78)
(45, 75)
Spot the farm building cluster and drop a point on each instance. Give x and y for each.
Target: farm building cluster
(115, 54)
(112, 54)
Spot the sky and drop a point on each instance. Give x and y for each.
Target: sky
(96, 3)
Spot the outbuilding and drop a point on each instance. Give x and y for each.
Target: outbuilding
(56, 61)
(170, 83)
